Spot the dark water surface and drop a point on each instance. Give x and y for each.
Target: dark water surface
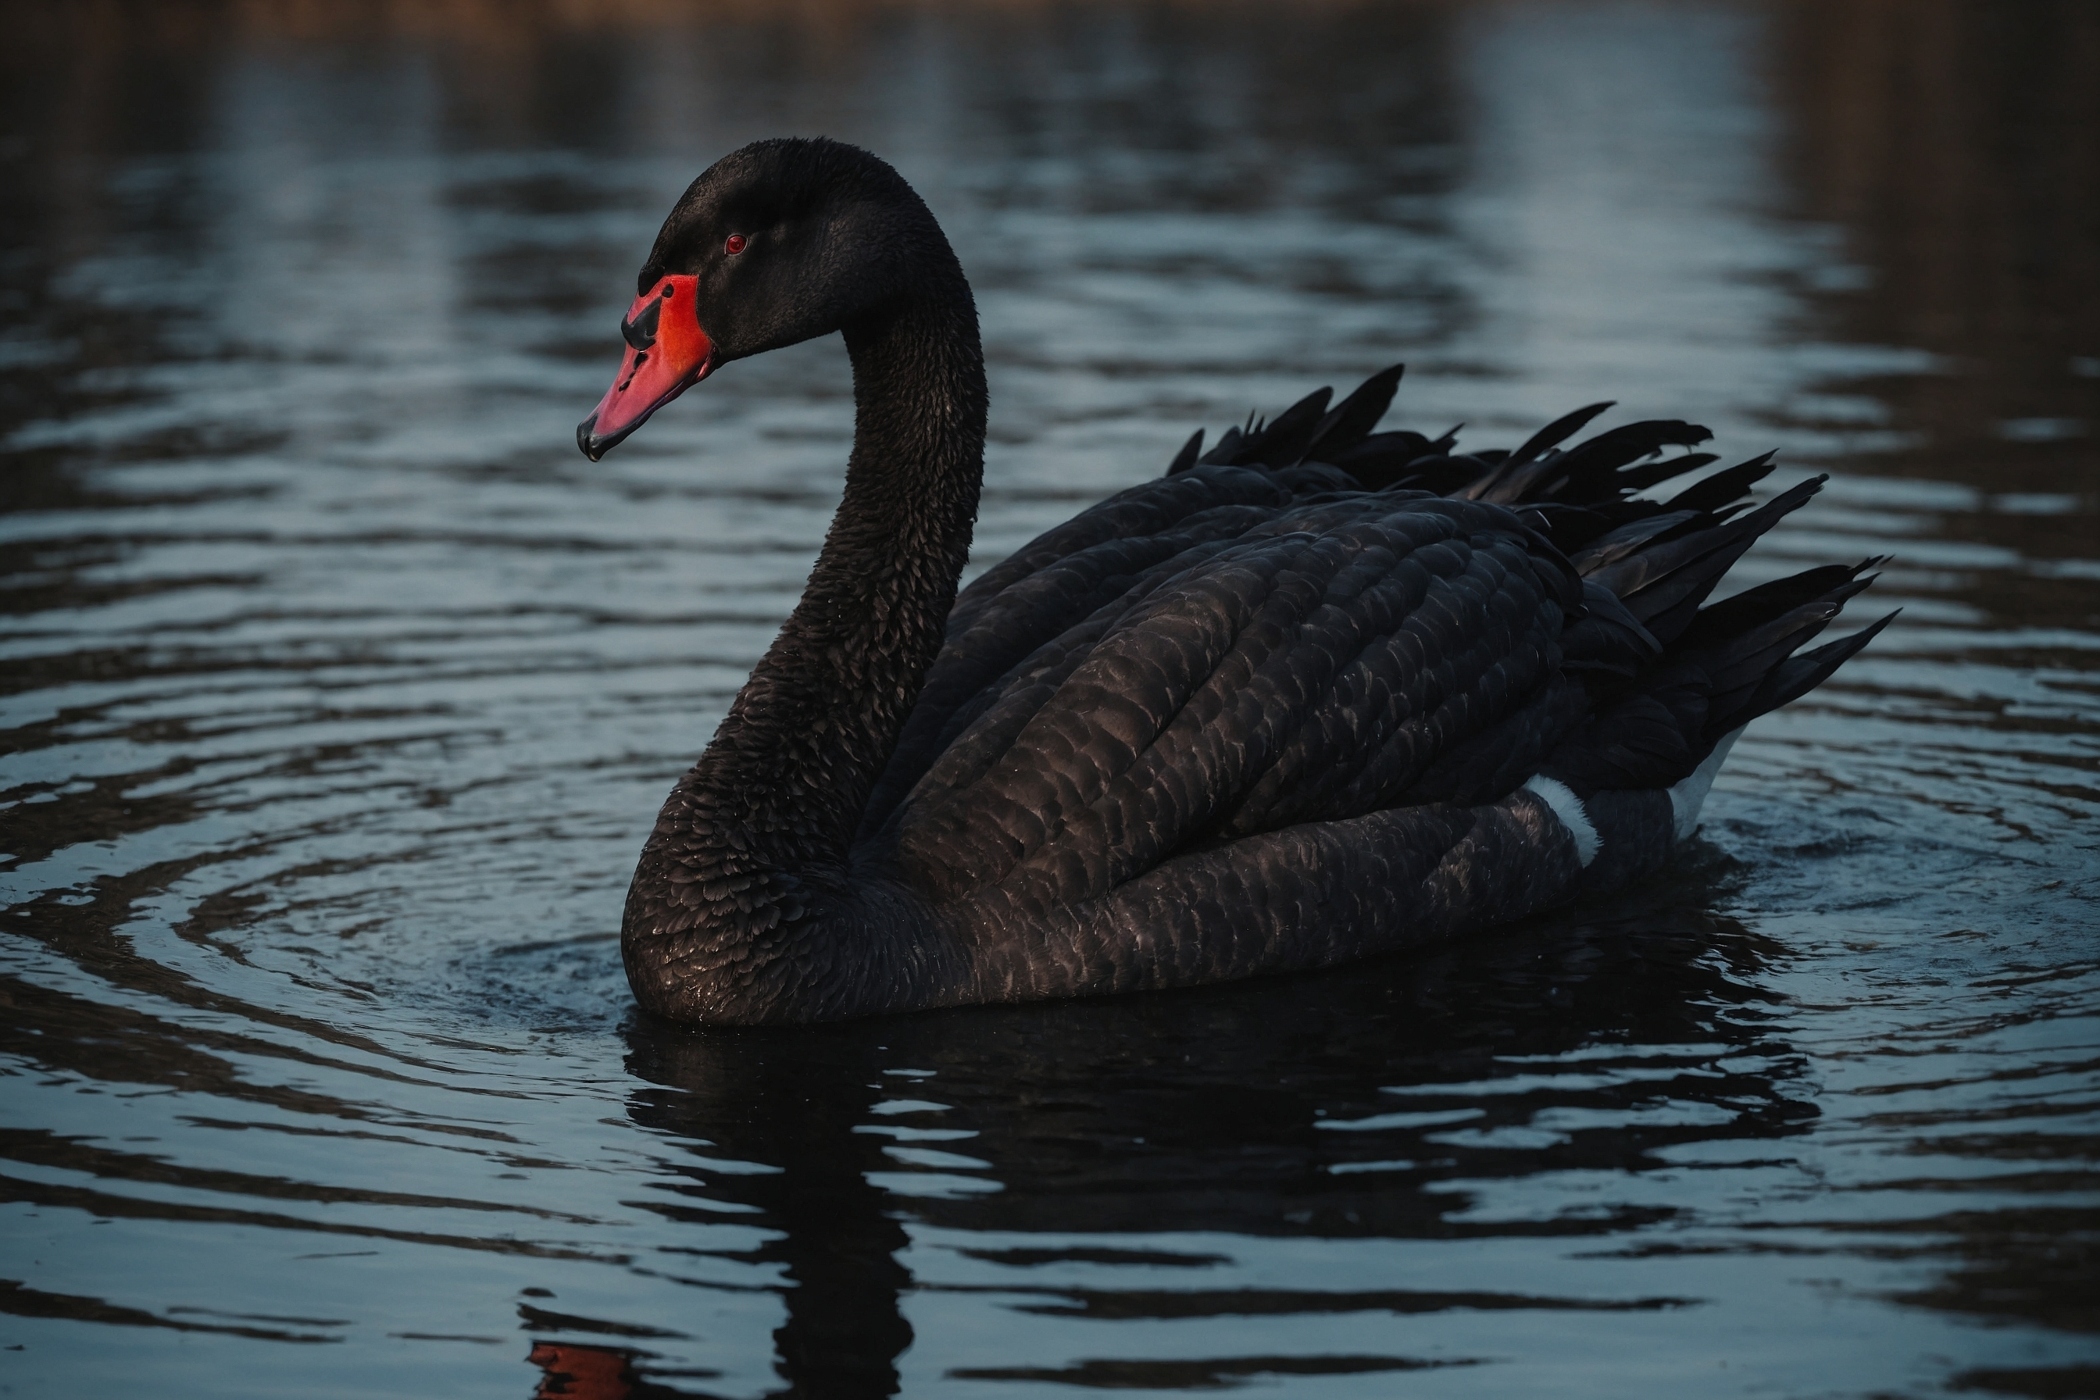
(339, 692)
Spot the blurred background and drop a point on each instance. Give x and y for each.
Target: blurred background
(337, 692)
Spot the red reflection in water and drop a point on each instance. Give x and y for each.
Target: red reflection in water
(583, 1373)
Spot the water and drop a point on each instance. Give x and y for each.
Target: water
(340, 691)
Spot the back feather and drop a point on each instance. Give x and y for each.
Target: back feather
(1669, 678)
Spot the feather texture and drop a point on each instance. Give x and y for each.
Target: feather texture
(1295, 701)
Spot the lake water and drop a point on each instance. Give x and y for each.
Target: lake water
(339, 692)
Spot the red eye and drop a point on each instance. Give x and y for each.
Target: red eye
(735, 244)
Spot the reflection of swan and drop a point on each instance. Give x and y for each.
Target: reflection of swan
(1141, 1149)
(582, 1372)
(1281, 708)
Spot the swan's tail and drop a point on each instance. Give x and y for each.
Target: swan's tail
(1672, 679)
(1736, 660)
(1630, 784)
(1663, 725)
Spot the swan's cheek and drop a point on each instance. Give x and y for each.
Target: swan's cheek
(667, 353)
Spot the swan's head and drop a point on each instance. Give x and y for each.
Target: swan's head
(776, 243)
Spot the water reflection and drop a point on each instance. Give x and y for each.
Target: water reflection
(1954, 146)
(593, 1373)
(1367, 1103)
(337, 691)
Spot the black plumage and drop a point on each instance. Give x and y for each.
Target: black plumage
(1311, 695)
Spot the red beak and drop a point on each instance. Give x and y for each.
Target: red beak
(667, 352)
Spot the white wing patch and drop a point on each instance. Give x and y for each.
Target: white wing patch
(1573, 815)
(1690, 795)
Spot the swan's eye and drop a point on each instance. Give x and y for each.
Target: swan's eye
(735, 245)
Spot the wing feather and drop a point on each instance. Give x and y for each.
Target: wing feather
(1224, 694)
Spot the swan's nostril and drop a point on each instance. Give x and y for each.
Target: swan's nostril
(641, 331)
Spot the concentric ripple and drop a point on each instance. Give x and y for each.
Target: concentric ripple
(337, 692)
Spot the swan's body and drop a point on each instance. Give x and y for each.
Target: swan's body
(1318, 695)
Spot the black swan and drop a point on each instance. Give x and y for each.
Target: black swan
(1317, 693)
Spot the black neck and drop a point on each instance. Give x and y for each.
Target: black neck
(792, 765)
